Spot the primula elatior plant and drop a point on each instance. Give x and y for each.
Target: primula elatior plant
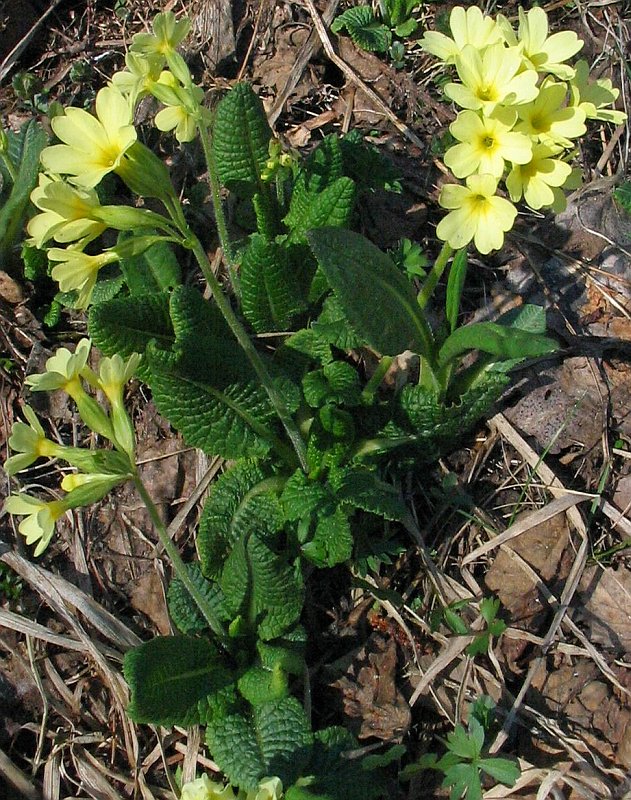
(282, 371)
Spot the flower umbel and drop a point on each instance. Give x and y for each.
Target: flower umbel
(486, 143)
(476, 214)
(92, 146)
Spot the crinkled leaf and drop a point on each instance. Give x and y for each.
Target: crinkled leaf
(173, 680)
(332, 207)
(363, 28)
(205, 346)
(336, 382)
(259, 685)
(302, 496)
(241, 136)
(322, 168)
(333, 326)
(184, 611)
(363, 489)
(332, 542)
(231, 422)
(273, 739)
(271, 294)
(288, 651)
(126, 325)
(376, 298)
(262, 587)
(240, 502)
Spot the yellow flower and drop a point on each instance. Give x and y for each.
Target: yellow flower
(467, 27)
(542, 52)
(39, 524)
(30, 442)
(141, 73)
(548, 121)
(486, 143)
(491, 78)
(67, 212)
(205, 789)
(477, 214)
(268, 789)
(183, 107)
(536, 179)
(77, 271)
(592, 97)
(167, 35)
(92, 146)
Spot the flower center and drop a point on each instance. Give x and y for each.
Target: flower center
(488, 142)
(486, 93)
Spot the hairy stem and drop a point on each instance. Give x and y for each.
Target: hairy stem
(178, 565)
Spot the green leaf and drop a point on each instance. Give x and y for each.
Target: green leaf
(333, 327)
(363, 489)
(240, 140)
(155, 270)
(499, 341)
(259, 685)
(232, 422)
(463, 778)
(261, 586)
(501, 769)
(173, 680)
(405, 29)
(273, 739)
(24, 149)
(241, 501)
(489, 606)
(204, 344)
(332, 542)
(336, 382)
(455, 285)
(184, 611)
(302, 496)
(466, 745)
(376, 298)
(287, 652)
(363, 28)
(335, 775)
(322, 168)
(623, 195)
(126, 325)
(332, 207)
(271, 294)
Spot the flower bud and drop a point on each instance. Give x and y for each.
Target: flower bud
(145, 174)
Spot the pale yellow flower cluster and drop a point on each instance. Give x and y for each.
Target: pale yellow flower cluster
(522, 107)
(100, 470)
(94, 145)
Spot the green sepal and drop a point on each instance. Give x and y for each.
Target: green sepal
(175, 680)
(271, 739)
(241, 137)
